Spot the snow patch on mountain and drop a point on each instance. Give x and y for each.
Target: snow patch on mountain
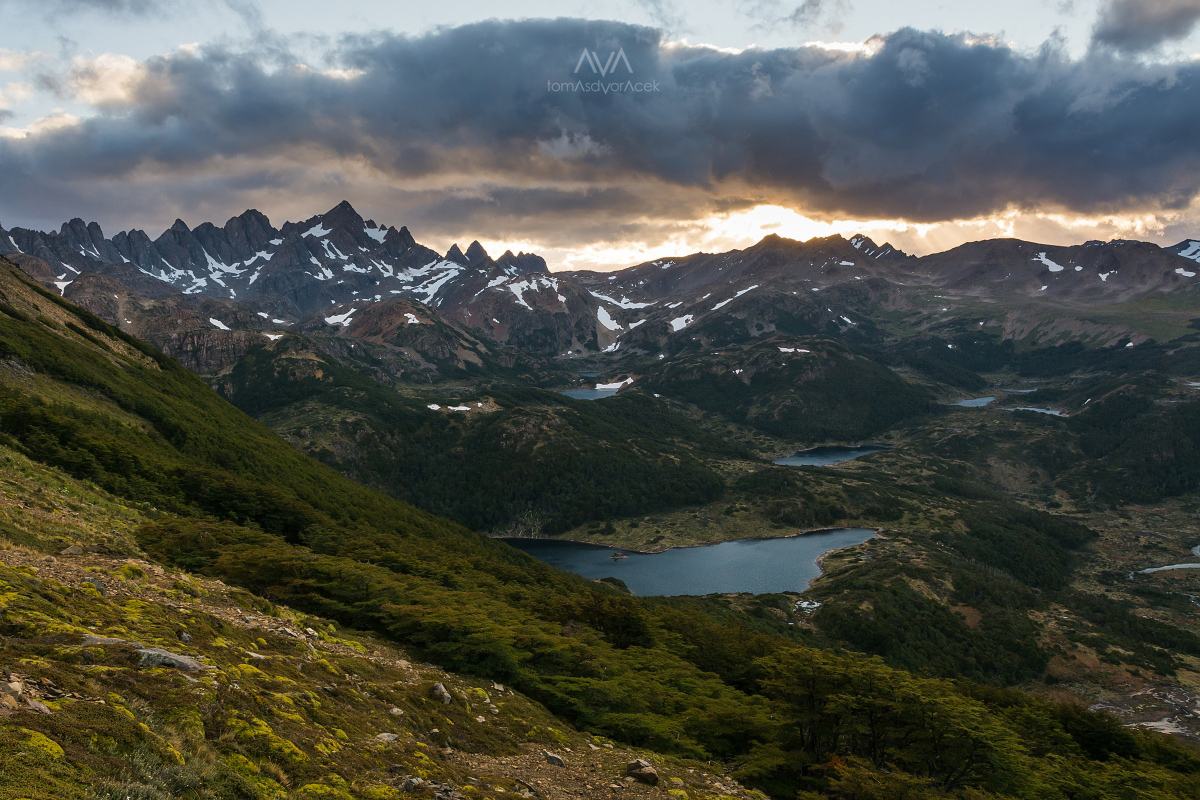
(726, 302)
(1050, 264)
(606, 320)
(624, 302)
(341, 319)
(216, 323)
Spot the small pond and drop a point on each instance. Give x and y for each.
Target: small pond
(829, 454)
(974, 402)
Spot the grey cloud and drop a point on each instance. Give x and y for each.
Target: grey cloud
(810, 11)
(807, 15)
(927, 127)
(665, 14)
(1134, 26)
(248, 10)
(58, 7)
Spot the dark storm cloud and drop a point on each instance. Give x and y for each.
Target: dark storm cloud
(926, 127)
(1138, 25)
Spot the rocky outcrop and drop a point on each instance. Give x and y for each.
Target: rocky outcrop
(642, 771)
(440, 693)
(157, 657)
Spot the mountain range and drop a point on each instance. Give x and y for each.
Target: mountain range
(356, 279)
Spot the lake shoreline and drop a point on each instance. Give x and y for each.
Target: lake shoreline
(878, 532)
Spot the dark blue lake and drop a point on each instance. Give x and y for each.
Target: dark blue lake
(829, 454)
(589, 394)
(760, 566)
(974, 402)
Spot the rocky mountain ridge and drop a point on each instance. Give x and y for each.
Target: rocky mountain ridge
(323, 273)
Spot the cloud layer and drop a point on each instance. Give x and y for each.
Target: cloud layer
(1134, 26)
(463, 130)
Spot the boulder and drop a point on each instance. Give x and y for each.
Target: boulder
(37, 705)
(73, 550)
(386, 737)
(641, 770)
(97, 584)
(157, 657)
(91, 640)
(441, 694)
(554, 759)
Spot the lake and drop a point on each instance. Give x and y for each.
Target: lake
(975, 402)
(589, 394)
(760, 566)
(829, 454)
(1037, 410)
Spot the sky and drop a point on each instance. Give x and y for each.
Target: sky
(613, 132)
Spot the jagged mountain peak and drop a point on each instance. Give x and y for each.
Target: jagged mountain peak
(523, 262)
(251, 216)
(75, 227)
(401, 236)
(475, 254)
(455, 255)
(868, 247)
(344, 216)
